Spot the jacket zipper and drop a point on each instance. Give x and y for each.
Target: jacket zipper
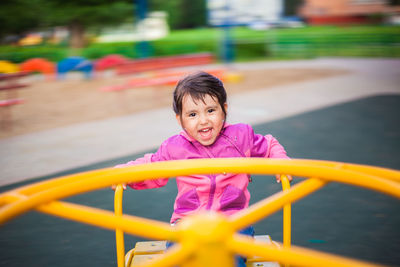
(240, 151)
(213, 184)
(234, 145)
(212, 192)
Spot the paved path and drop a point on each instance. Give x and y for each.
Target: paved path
(47, 152)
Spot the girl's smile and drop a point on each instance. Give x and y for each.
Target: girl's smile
(202, 119)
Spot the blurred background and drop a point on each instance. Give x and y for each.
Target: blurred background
(240, 30)
(87, 85)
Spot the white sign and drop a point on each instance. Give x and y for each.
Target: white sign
(243, 12)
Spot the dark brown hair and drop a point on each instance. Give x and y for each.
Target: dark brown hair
(198, 85)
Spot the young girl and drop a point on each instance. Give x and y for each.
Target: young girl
(199, 102)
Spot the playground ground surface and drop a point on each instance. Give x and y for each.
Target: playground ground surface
(56, 103)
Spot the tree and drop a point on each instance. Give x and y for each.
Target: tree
(19, 16)
(77, 15)
(291, 7)
(194, 14)
(182, 14)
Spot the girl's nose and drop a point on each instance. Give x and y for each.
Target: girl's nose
(203, 118)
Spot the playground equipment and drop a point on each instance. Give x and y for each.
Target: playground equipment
(75, 64)
(8, 67)
(157, 78)
(206, 239)
(9, 84)
(156, 63)
(31, 39)
(41, 65)
(109, 61)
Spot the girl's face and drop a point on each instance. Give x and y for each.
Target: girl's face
(203, 121)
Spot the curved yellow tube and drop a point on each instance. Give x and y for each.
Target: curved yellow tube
(42, 195)
(119, 234)
(287, 215)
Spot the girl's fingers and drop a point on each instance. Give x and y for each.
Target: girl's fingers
(113, 187)
(278, 178)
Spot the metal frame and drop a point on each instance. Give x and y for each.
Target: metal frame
(217, 241)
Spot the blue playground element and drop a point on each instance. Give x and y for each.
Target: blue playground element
(75, 64)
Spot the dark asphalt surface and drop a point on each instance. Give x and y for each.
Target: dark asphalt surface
(340, 219)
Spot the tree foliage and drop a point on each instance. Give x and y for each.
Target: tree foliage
(18, 16)
(80, 14)
(182, 14)
(89, 12)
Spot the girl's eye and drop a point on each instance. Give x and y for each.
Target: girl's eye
(211, 110)
(192, 114)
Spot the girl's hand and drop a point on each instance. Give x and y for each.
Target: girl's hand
(278, 178)
(113, 187)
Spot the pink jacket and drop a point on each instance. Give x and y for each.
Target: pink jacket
(225, 192)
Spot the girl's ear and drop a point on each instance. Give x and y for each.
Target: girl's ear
(226, 108)
(178, 119)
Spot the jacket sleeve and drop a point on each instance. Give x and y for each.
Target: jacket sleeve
(148, 158)
(275, 149)
(265, 146)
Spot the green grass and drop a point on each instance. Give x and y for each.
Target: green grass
(287, 43)
(362, 41)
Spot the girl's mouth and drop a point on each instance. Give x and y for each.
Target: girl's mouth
(206, 133)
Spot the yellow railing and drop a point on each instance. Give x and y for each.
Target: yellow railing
(208, 239)
(119, 234)
(287, 216)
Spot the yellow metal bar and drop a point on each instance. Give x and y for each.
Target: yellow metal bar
(88, 181)
(294, 256)
(192, 166)
(130, 224)
(208, 232)
(119, 234)
(371, 170)
(287, 216)
(9, 197)
(69, 186)
(134, 225)
(386, 173)
(273, 203)
(44, 185)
